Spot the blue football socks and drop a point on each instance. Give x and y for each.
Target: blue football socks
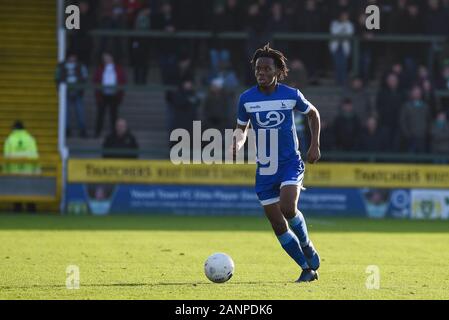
(299, 227)
(290, 244)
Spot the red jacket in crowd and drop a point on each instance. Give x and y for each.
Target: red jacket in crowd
(121, 80)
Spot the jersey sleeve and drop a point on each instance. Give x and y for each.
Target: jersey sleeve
(302, 104)
(242, 115)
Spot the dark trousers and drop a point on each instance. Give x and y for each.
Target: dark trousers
(341, 66)
(139, 55)
(416, 144)
(140, 74)
(30, 207)
(110, 102)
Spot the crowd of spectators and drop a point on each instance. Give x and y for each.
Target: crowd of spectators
(260, 19)
(404, 116)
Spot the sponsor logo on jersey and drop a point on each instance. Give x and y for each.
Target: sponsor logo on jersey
(272, 119)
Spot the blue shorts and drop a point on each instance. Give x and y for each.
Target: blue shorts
(268, 187)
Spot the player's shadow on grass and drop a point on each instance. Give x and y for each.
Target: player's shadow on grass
(211, 223)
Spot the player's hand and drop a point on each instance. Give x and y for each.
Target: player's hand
(314, 154)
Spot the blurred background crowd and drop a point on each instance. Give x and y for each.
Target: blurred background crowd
(378, 97)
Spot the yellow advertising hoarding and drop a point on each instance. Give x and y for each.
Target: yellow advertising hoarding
(154, 171)
(322, 175)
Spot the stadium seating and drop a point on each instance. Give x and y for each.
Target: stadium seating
(27, 63)
(146, 113)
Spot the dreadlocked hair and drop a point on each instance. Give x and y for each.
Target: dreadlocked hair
(280, 60)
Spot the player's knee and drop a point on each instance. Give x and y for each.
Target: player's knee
(288, 210)
(279, 227)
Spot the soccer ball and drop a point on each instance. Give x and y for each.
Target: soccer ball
(219, 267)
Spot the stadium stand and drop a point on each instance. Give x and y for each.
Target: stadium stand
(146, 113)
(27, 62)
(109, 25)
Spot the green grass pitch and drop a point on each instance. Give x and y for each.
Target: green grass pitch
(162, 257)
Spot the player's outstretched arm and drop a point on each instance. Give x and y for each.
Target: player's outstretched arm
(313, 117)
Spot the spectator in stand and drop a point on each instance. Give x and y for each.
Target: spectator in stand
(388, 13)
(411, 53)
(183, 106)
(20, 144)
(254, 25)
(189, 14)
(440, 134)
(184, 73)
(81, 40)
(398, 17)
(277, 22)
(388, 107)
(429, 96)
(407, 18)
(131, 8)
(397, 69)
(422, 75)
(360, 99)
(341, 49)
(165, 21)
(120, 143)
(347, 127)
(73, 72)
(113, 17)
(234, 15)
(410, 19)
(443, 84)
(215, 106)
(442, 58)
(228, 76)
(443, 80)
(110, 76)
(291, 10)
(185, 70)
(336, 7)
(257, 36)
(367, 49)
(310, 20)
(436, 18)
(414, 121)
(426, 84)
(218, 49)
(373, 137)
(297, 76)
(140, 47)
(327, 136)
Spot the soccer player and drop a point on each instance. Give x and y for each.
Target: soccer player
(269, 106)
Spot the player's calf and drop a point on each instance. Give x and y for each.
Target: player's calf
(299, 227)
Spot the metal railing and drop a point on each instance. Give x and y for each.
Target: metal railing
(338, 156)
(30, 180)
(356, 40)
(326, 156)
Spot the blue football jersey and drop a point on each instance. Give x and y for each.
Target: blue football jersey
(274, 111)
